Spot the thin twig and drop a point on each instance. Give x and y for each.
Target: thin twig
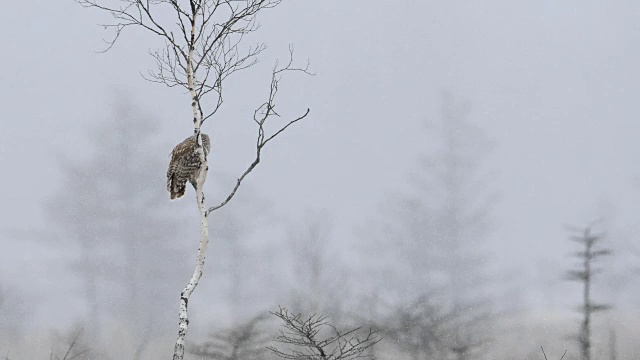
(545, 355)
(260, 117)
(72, 345)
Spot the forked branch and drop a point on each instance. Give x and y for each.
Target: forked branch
(545, 355)
(261, 116)
(213, 49)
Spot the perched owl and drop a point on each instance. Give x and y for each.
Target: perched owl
(184, 165)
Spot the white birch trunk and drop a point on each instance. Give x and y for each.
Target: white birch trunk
(178, 352)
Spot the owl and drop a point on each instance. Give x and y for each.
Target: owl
(184, 165)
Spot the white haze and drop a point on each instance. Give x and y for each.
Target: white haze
(553, 84)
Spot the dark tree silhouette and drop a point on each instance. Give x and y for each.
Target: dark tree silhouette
(313, 338)
(584, 274)
(246, 341)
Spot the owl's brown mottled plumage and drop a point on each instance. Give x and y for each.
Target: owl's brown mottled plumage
(184, 165)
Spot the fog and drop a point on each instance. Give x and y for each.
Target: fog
(451, 151)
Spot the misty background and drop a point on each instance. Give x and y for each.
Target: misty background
(522, 114)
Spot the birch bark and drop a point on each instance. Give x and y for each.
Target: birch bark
(183, 324)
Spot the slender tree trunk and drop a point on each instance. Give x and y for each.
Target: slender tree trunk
(90, 274)
(143, 339)
(178, 353)
(612, 345)
(585, 275)
(585, 341)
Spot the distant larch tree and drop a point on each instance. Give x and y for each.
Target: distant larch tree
(591, 250)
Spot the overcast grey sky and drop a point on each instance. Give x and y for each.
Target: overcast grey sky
(554, 84)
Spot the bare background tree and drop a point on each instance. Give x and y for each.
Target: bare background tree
(314, 338)
(14, 312)
(72, 346)
(309, 253)
(314, 267)
(201, 50)
(122, 234)
(244, 341)
(613, 352)
(584, 274)
(241, 245)
(431, 242)
(418, 329)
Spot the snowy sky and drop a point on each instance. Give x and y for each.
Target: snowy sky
(554, 84)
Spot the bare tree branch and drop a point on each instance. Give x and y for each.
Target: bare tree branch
(303, 333)
(70, 347)
(545, 355)
(260, 116)
(219, 28)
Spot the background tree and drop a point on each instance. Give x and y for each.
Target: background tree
(245, 341)
(309, 242)
(121, 229)
(72, 346)
(585, 272)
(613, 352)
(14, 312)
(314, 338)
(433, 237)
(241, 247)
(418, 329)
(201, 50)
(456, 198)
(315, 266)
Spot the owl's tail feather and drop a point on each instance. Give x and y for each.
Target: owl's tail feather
(176, 189)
